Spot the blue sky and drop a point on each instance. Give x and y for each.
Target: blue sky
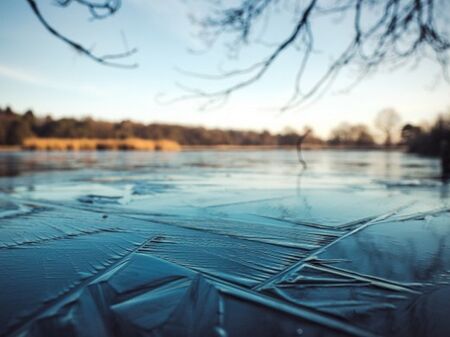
(37, 71)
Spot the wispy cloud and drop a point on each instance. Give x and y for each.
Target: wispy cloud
(19, 75)
(24, 76)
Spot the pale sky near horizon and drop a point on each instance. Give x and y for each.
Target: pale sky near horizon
(38, 71)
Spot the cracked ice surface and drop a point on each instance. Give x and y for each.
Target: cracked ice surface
(223, 244)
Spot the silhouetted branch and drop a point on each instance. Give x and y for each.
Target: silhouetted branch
(98, 10)
(299, 148)
(386, 31)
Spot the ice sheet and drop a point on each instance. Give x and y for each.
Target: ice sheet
(223, 244)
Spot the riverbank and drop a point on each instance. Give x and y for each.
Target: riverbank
(137, 144)
(306, 147)
(85, 144)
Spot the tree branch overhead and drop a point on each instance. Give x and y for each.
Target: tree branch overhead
(98, 10)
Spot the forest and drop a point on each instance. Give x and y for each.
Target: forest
(15, 128)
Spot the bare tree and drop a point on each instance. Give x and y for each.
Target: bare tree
(387, 121)
(353, 135)
(98, 9)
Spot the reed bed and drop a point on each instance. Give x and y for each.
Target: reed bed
(86, 144)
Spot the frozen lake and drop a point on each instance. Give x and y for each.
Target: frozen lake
(226, 243)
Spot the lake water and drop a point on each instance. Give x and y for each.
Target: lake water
(223, 243)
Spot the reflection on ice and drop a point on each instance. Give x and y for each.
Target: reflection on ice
(229, 244)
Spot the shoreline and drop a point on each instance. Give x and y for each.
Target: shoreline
(187, 148)
(305, 147)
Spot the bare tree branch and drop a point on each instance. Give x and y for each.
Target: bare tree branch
(98, 10)
(384, 32)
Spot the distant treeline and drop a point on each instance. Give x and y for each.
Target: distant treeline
(430, 140)
(15, 128)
